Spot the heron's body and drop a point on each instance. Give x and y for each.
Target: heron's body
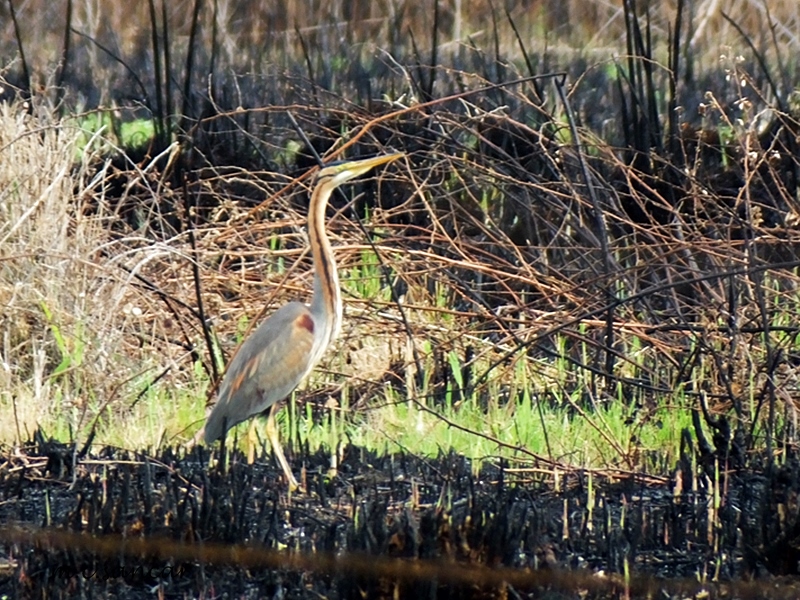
(264, 378)
(288, 345)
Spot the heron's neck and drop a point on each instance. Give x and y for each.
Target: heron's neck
(326, 302)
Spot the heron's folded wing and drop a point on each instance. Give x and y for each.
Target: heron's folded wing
(267, 367)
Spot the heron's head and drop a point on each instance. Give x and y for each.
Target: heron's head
(338, 172)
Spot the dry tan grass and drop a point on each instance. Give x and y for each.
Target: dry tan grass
(39, 256)
(75, 337)
(283, 36)
(281, 29)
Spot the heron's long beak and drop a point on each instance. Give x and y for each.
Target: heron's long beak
(369, 163)
(360, 166)
(339, 172)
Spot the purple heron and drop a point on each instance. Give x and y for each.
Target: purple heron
(283, 349)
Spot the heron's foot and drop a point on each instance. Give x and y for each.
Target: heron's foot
(294, 485)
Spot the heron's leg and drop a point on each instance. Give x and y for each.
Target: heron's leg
(336, 450)
(334, 468)
(272, 435)
(252, 442)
